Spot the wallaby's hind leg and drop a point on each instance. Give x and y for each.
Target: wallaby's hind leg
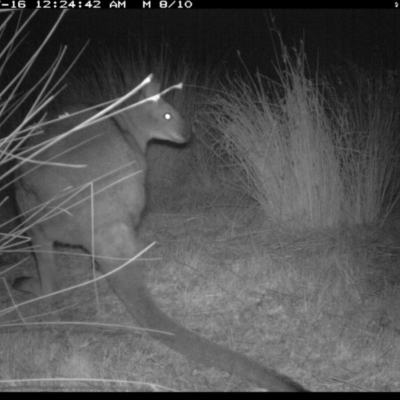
(114, 244)
(46, 266)
(115, 240)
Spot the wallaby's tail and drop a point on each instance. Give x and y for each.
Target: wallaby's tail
(139, 303)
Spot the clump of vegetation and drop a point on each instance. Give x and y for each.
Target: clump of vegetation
(310, 154)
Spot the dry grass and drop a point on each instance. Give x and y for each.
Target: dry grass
(280, 147)
(309, 155)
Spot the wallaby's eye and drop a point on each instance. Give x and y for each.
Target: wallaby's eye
(167, 116)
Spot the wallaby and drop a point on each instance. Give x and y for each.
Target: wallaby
(111, 150)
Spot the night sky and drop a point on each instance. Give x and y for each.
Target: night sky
(332, 37)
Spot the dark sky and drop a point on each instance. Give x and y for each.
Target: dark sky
(365, 36)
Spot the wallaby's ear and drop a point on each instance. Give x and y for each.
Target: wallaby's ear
(150, 89)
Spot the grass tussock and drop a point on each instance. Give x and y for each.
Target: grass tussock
(311, 156)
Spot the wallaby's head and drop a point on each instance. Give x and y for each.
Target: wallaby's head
(156, 119)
